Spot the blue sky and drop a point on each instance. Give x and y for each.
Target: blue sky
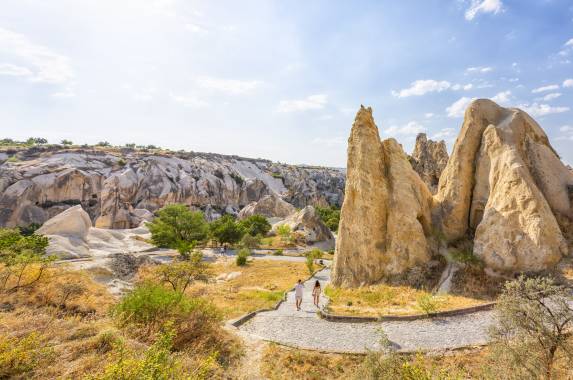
(278, 79)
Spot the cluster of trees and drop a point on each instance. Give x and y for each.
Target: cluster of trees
(330, 216)
(177, 227)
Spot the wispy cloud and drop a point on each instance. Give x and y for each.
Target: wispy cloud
(550, 87)
(539, 109)
(228, 86)
(422, 87)
(566, 133)
(549, 97)
(312, 102)
(502, 98)
(483, 6)
(410, 128)
(568, 83)
(32, 61)
(189, 101)
(457, 108)
(479, 69)
(444, 134)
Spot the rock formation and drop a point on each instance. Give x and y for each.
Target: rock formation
(308, 223)
(504, 188)
(119, 188)
(385, 218)
(71, 235)
(269, 206)
(429, 159)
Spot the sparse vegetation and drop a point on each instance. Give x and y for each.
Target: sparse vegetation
(330, 216)
(428, 303)
(242, 257)
(66, 142)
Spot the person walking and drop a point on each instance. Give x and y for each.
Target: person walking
(298, 291)
(316, 293)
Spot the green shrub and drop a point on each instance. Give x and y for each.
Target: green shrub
(151, 305)
(121, 162)
(427, 303)
(226, 230)
(242, 257)
(251, 242)
(310, 264)
(256, 225)
(19, 356)
(179, 275)
(330, 216)
(283, 230)
(278, 252)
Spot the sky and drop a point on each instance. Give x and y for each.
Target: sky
(275, 79)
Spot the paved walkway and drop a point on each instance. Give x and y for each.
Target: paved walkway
(303, 329)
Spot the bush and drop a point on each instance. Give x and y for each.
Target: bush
(251, 242)
(256, 225)
(330, 216)
(242, 257)
(278, 252)
(427, 303)
(121, 162)
(283, 230)
(179, 275)
(19, 356)
(66, 142)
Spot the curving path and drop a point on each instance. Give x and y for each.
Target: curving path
(303, 329)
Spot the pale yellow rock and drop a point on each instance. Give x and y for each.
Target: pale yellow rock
(269, 206)
(385, 211)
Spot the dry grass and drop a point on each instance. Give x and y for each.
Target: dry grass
(261, 284)
(386, 299)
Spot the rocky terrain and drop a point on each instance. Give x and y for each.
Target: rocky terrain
(429, 159)
(504, 190)
(119, 188)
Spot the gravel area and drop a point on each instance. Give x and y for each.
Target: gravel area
(303, 329)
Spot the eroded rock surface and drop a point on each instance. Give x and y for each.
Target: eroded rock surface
(308, 223)
(115, 186)
(429, 159)
(385, 218)
(269, 206)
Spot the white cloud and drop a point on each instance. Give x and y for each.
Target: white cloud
(228, 86)
(313, 102)
(421, 87)
(35, 62)
(568, 83)
(479, 69)
(14, 71)
(411, 128)
(483, 6)
(537, 109)
(549, 97)
(567, 131)
(189, 101)
(443, 133)
(502, 97)
(458, 108)
(550, 87)
(465, 87)
(428, 115)
(569, 43)
(566, 128)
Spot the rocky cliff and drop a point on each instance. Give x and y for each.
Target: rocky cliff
(504, 189)
(120, 187)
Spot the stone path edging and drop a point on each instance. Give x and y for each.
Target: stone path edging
(447, 313)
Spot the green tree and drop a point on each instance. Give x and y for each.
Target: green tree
(256, 225)
(226, 230)
(330, 216)
(242, 257)
(181, 274)
(179, 228)
(66, 142)
(103, 143)
(251, 242)
(532, 335)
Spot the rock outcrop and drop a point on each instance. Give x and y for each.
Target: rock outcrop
(269, 206)
(506, 187)
(308, 223)
(71, 235)
(429, 159)
(118, 188)
(385, 218)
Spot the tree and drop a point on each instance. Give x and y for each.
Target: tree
(179, 228)
(330, 216)
(36, 141)
(242, 256)
(66, 142)
(130, 145)
(182, 274)
(535, 321)
(103, 143)
(256, 225)
(251, 242)
(226, 230)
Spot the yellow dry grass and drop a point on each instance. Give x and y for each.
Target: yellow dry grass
(260, 285)
(383, 299)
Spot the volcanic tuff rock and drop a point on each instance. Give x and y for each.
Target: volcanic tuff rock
(308, 222)
(506, 186)
(385, 218)
(115, 186)
(429, 159)
(268, 206)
